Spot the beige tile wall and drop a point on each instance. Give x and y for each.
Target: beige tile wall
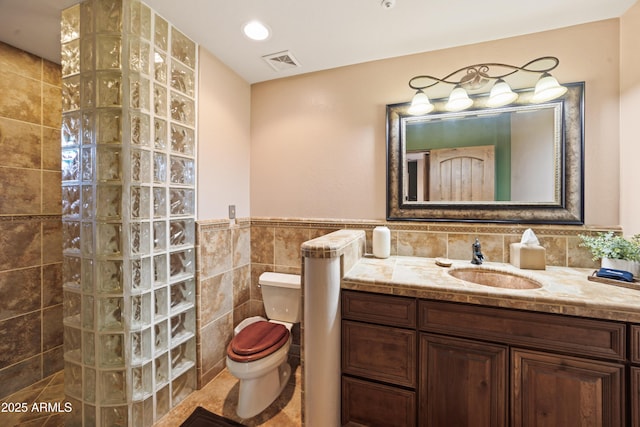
(275, 242)
(231, 258)
(454, 241)
(30, 222)
(223, 284)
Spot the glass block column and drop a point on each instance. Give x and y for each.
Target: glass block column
(128, 190)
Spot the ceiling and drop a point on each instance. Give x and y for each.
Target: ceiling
(321, 34)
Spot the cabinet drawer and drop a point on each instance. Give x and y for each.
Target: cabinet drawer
(635, 344)
(382, 309)
(585, 337)
(379, 353)
(371, 404)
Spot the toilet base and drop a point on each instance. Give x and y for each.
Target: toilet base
(256, 394)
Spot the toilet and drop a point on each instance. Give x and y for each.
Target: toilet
(257, 355)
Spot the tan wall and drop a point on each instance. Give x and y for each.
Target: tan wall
(223, 250)
(318, 140)
(223, 139)
(629, 123)
(30, 222)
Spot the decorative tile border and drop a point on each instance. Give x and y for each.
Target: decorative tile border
(452, 227)
(223, 223)
(10, 218)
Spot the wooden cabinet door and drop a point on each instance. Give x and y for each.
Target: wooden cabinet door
(462, 383)
(635, 396)
(553, 390)
(635, 344)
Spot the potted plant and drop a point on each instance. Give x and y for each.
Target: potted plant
(615, 251)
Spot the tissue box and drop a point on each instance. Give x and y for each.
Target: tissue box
(530, 257)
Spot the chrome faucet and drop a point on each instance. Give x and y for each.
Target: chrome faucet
(477, 253)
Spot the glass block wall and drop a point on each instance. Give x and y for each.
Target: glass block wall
(128, 199)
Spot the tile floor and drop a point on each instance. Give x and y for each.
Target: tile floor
(48, 390)
(218, 396)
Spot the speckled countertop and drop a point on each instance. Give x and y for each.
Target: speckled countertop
(564, 290)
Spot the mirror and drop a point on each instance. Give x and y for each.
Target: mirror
(520, 163)
(500, 155)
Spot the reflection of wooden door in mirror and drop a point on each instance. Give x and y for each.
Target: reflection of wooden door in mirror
(412, 170)
(462, 174)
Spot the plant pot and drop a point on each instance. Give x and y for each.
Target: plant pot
(621, 264)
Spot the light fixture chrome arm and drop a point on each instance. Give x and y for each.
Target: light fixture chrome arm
(476, 76)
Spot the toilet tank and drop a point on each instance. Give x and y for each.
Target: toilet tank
(281, 296)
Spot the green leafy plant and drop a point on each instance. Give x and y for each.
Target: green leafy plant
(613, 246)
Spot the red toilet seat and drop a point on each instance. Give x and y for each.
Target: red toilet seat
(256, 341)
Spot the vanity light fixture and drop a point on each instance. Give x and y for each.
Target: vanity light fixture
(476, 77)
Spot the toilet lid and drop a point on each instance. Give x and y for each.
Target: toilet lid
(257, 340)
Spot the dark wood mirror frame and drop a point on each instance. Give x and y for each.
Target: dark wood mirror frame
(569, 209)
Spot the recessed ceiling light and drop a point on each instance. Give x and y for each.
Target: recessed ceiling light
(256, 30)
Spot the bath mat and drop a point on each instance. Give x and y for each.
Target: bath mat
(200, 417)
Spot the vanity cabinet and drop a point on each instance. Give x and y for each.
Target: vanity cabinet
(379, 360)
(483, 366)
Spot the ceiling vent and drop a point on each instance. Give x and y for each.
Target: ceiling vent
(281, 61)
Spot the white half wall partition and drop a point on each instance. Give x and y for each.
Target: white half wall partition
(325, 259)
